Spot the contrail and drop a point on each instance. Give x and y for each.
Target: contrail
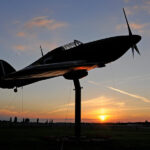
(93, 82)
(130, 94)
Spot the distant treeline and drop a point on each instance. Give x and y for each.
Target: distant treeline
(26, 122)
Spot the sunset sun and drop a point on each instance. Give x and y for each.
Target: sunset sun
(102, 117)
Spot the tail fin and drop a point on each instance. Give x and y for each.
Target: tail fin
(5, 68)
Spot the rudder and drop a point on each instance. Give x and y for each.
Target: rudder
(5, 68)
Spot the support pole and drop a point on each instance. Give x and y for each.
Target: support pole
(77, 108)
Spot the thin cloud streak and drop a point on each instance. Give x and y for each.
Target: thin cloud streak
(131, 95)
(30, 35)
(134, 26)
(44, 22)
(20, 47)
(94, 104)
(21, 34)
(126, 1)
(144, 5)
(57, 110)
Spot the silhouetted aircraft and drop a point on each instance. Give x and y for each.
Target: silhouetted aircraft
(73, 61)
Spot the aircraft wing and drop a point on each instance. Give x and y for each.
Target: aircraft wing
(51, 70)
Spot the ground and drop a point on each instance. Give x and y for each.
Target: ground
(60, 136)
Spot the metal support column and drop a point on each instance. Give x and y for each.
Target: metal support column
(77, 107)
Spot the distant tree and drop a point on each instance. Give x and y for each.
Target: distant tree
(46, 122)
(10, 120)
(27, 120)
(146, 122)
(15, 120)
(37, 120)
(51, 121)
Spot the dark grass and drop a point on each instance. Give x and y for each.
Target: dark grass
(97, 137)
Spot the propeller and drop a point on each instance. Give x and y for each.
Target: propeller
(134, 47)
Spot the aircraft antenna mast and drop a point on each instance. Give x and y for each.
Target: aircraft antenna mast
(41, 51)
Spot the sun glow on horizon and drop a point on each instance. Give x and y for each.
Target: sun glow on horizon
(102, 117)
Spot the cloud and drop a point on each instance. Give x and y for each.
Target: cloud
(33, 45)
(91, 105)
(102, 100)
(19, 47)
(147, 2)
(26, 113)
(131, 95)
(126, 1)
(137, 26)
(120, 104)
(141, 28)
(133, 25)
(57, 110)
(128, 11)
(143, 5)
(8, 112)
(44, 22)
(21, 34)
(137, 9)
(29, 33)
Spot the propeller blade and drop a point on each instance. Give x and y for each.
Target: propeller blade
(137, 50)
(133, 51)
(134, 47)
(129, 30)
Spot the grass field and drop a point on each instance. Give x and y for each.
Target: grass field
(104, 136)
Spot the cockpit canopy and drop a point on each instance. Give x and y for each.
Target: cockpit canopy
(57, 53)
(73, 44)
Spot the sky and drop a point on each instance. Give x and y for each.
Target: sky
(118, 92)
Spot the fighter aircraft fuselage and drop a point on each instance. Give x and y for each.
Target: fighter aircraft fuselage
(69, 61)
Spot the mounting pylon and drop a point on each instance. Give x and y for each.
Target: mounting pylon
(77, 107)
